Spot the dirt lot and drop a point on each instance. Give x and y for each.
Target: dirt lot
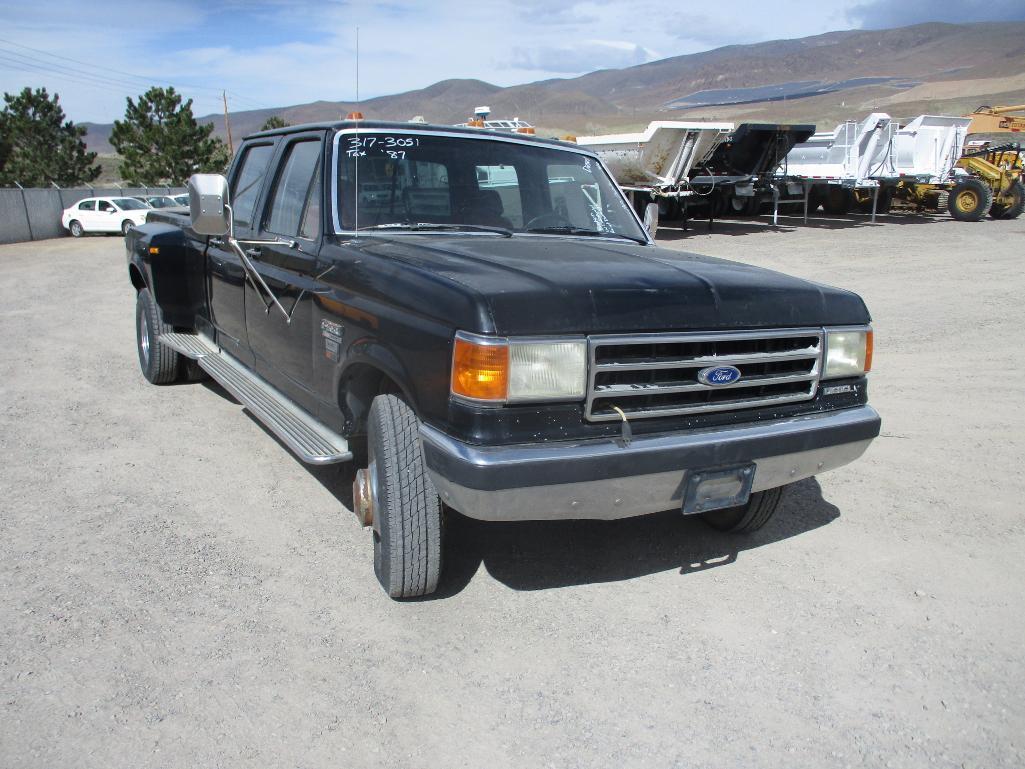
(176, 590)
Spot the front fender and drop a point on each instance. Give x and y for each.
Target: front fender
(356, 385)
(172, 267)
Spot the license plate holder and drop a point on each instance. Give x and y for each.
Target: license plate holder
(714, 489)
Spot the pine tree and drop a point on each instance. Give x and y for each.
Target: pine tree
(273, 122)
(160, 141)
(38, 146)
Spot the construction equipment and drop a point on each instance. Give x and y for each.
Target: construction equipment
(481, 119)
(991, 120)
(994, 184)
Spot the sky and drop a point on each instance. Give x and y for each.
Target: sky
(275, 53)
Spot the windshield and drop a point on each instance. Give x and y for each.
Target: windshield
(410, 180)
(129, 204)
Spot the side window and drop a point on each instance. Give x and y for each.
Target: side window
(246, 186)
(293, 191)
(105, 206)
(87, 205)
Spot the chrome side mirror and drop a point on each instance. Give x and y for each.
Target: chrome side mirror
(651, 218)
(209, 208)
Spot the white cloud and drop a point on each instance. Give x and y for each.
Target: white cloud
(276, 53)
(585, 56)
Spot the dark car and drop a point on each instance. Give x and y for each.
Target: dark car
(481, 323)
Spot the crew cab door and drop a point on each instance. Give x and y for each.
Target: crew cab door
(283, 346)
(227, 279)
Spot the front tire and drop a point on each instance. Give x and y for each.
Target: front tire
(746, 518)
(159, 363)
(1016, 206)
(970, 200)
(76, 229)
(406, 507)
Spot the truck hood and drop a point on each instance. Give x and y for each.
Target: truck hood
(559, 285)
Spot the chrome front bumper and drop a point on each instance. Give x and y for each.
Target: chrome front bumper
(603, 479)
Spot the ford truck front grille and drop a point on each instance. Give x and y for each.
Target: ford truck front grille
(656, 375)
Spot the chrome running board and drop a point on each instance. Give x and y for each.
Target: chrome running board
(311, 441)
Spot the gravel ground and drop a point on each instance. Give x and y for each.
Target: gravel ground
(176, 590)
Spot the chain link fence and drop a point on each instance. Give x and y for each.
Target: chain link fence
(29, 213)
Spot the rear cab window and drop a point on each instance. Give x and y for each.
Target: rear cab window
(248, 181)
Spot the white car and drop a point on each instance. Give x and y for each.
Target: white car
(104, 215)
(181, 200)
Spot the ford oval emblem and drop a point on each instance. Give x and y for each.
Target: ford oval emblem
(719, 375)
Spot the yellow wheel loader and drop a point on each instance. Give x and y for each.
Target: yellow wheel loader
(994, 185)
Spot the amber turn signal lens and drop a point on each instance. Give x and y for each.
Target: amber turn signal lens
(868, 351)
(480, 371)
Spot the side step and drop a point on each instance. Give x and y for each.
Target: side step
(311, 441)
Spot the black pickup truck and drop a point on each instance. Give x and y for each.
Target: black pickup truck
(482, 323)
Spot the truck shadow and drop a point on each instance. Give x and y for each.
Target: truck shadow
(538, 555)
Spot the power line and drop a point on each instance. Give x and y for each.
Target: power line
(142, 79)
(78, 78)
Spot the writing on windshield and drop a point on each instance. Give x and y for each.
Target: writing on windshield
(387, 179)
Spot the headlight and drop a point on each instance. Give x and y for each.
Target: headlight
(848, 352)
(499, 370)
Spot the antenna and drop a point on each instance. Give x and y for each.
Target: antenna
(356, 203)
(227, 123)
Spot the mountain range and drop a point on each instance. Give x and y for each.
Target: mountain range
(935, 67)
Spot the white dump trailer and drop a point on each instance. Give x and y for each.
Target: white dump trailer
(867, 163)
(847, 155)
(926, 149)
(716, 168)
(660, 158)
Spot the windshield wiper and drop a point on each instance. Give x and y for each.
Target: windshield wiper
(570, 230)
(439, 226)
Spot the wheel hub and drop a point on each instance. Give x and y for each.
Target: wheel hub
(364, 494)
(144, 338)
(966, 201)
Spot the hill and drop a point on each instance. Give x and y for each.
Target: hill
(933, 67)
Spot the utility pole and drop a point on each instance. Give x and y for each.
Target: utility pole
(227, 124)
